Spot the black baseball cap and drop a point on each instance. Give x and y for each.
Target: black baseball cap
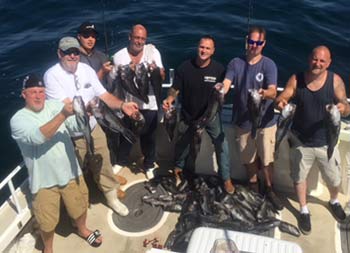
(32, 80)
(87, 27)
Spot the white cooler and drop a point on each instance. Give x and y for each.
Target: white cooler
(212, 240)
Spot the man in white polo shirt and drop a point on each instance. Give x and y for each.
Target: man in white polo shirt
(69, 78)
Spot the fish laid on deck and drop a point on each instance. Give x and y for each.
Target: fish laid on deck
(254, 109)
(284, 122)
(107, 118)
(333, 127)
(83, 122)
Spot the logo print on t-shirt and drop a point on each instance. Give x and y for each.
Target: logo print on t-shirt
(259, 77)
(210, 79)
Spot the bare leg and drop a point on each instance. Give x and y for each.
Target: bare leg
(268, 172)
(300, 189)
(333, 192)
(47, 238)
(82, 229)
(252, 170)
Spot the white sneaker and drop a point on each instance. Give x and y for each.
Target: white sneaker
(150, 173)
(114, 203)
(116, 168)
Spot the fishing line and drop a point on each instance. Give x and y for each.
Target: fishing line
(250, 12)
(104, 27)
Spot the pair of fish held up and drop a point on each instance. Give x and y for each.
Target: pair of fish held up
(215, 101)
(332, 124)
(105, 117)
(135, 79)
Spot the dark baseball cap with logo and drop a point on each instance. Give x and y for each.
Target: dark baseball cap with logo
(87, 27)
(32, 80)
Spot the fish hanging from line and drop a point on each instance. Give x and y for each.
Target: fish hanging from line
(332, 121)
(254, 110)
(82, 119)
(108, 118)
(284, 122)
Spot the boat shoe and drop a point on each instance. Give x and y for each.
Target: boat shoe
(337, 211)
(304, 223)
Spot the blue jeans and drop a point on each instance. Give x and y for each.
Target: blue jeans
(217, 135)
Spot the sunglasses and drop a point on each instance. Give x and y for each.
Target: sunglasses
(70, 51)
(88, 35)
(257, 42)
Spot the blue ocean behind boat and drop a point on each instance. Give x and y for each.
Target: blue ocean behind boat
(31, 29)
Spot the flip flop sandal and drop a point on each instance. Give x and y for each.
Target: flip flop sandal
(91, 239)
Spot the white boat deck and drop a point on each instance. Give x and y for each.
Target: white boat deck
(326, 235)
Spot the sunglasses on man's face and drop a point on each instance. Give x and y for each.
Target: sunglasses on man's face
(256, 42)
(70, 51)
(88, 35)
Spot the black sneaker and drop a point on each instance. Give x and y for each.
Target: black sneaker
(305, 223)
(276, 202)
(337, 211)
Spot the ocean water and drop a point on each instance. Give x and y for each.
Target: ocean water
(31, 29)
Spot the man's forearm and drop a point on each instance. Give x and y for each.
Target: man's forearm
(50, 128)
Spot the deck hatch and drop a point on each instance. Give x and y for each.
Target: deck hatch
(142, 216)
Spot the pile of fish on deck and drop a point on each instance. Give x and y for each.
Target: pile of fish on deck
(203, 202)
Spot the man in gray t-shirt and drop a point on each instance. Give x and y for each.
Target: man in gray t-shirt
(255, 71)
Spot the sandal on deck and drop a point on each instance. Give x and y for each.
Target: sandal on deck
(91, 239)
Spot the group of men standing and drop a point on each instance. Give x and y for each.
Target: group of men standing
(43, 128)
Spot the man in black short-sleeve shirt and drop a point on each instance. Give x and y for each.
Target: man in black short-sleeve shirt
(194, 81)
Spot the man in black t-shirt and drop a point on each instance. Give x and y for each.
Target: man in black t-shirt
(194, 81)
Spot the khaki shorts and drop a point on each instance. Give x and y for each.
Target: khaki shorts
(302, 159)
(46, 203)
(263, 146)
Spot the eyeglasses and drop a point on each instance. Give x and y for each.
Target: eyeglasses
(256, 42)
(88, 35)
(70, 51)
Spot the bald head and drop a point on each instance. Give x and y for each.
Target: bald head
(321, 50)
(319, 60)
(137, 28)
(137, 39)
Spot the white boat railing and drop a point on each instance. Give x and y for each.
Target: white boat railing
(9, 182)
(13, 215)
